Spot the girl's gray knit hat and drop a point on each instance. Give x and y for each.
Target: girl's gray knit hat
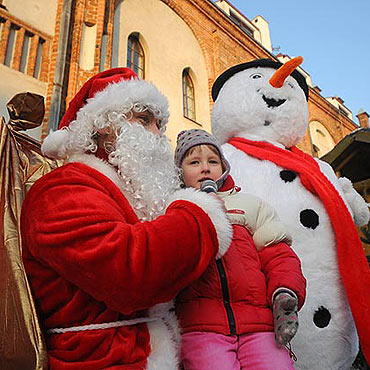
(190, 138)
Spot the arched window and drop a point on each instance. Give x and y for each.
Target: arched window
(321, 140)
(135, 56)
(188, 97)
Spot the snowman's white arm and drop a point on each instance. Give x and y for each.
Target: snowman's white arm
(357, 206)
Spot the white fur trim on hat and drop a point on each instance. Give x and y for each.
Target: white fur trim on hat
(122, 95)
(54, 145)
(214, 210)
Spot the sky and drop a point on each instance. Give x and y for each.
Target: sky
(333, 37)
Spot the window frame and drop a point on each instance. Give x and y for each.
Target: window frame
(10, 44)
(25, 54)
(39, 58)
(135, 50)
(188, 110)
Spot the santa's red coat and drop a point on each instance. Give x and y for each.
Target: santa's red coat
(90, 260)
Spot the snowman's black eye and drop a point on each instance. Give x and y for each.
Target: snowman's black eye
(255, 76)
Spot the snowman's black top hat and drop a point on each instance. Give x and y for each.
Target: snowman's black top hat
(222, 78)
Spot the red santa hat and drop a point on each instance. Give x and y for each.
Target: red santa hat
(114, 90)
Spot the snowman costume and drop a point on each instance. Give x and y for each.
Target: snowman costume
(260, 114)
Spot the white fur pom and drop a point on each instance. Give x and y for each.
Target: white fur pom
(54, 145)
(356, 202)
(214, 210)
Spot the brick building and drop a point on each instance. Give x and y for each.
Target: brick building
(52, 46)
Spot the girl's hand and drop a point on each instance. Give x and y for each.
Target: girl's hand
(285, 315)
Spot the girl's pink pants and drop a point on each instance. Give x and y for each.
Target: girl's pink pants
(211, 351)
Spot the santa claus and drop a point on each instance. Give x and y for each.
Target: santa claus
(261, 113)
(105, 244)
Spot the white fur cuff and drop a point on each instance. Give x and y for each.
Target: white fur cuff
(214, 210)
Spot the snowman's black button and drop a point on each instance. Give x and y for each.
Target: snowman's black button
(309, 218)
(288, 176)
(322, 317)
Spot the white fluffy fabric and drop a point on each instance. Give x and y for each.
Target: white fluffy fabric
(240, 109)
(122, 97)
(165, 338)
(358, 205)
(54, 145)
(214, 210)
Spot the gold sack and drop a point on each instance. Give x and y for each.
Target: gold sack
(21, 164)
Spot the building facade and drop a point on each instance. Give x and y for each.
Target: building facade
(52, 46)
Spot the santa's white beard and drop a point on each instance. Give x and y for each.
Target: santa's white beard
(145, 165)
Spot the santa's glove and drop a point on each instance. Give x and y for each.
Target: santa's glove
(285, 314)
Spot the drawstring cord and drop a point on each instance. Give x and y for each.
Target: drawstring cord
(115, 324)
(292, 355)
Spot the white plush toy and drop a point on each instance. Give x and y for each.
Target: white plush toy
(261, 113)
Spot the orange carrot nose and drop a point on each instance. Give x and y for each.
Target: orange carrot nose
(278, 78)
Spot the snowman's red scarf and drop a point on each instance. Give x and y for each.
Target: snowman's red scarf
(352, 262)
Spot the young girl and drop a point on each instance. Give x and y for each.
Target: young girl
(242, 311)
